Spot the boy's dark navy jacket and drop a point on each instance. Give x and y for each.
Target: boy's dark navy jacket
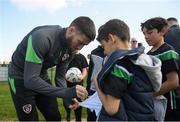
(137, 103)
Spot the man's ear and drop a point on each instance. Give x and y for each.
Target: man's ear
(71, 30)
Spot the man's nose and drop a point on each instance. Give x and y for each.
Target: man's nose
(80, 47)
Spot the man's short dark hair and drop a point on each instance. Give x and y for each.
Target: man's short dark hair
(116, 27)
(86, 26)
(154, 23)
(172, 19)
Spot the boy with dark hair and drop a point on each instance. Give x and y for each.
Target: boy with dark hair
(125, 83)
(154, 30)
(42, 48)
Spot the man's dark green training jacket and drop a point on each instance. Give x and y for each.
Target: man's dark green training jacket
(44, 47)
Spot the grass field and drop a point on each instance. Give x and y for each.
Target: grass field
(7, 110)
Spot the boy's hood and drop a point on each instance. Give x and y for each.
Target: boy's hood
(152, 67)
(150, 64)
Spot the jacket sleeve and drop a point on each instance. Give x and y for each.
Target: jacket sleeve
(60, 73)
(60, 79)
(37, 48)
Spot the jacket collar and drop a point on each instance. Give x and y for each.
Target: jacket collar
(63, 39)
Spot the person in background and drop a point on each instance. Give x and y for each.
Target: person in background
(134, 43)
(79, 61)
(172, 37)
(91, 116)
(42, 48)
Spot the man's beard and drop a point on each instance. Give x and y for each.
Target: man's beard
(71, 50)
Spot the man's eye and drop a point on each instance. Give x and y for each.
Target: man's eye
(149, 32)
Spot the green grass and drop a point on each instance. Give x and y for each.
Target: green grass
(7, 109)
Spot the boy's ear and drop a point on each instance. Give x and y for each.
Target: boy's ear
(164, 30)
(111, 38)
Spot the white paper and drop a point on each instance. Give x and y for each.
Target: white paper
(93, 103)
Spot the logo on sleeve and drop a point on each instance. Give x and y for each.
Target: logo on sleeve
(27, 108)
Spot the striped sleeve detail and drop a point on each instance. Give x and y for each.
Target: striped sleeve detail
(173, 100)
(122, 72)
(12, 86)
(168, 55)
(31, 55)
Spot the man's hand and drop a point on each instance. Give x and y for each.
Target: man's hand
(75, 104)
(81, 92)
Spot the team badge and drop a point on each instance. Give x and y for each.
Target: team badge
(66, 56)
(27, 108)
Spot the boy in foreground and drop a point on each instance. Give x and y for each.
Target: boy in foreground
(126, 83)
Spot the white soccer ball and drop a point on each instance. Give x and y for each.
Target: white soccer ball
(73, 75)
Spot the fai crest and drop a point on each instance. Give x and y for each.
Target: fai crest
(27, 108)
(66, 56)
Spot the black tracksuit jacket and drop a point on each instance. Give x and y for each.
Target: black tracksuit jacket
(44, 47)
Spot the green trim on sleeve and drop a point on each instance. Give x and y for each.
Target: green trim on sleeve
(11, 82)
(121, 72)
(168, 55)
(31, 55)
